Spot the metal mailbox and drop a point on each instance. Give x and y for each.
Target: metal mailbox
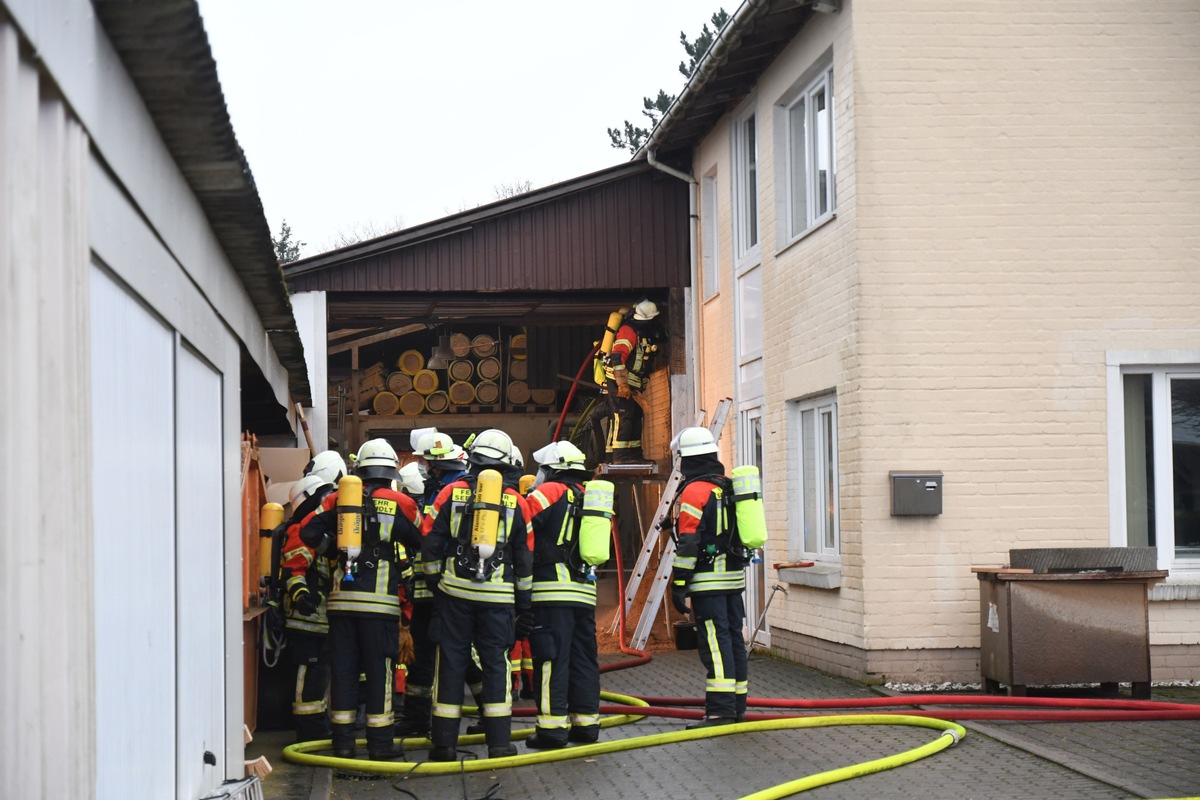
(916, 493)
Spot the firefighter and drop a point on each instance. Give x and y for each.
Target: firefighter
(307, 580)
(477, 559)
(710, 569)
(626, 374)
(364, 604)
(443, 462)
(327, 465)
(566, 666)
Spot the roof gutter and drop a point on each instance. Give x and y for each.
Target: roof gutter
(727, 37)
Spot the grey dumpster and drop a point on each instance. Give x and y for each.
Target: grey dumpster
(1067, 616)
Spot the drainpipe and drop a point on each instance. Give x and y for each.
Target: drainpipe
(693, 267)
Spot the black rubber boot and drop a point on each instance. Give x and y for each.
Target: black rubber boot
(712, 722)
(393, 753)
(584, 734)
(536, 741)
(440, 753)
(503, 751)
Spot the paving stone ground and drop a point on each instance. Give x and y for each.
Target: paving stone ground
(996, 760)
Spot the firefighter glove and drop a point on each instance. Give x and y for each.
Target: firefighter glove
(679, 596)
(304, 601)
(524, 624)
(621, 376)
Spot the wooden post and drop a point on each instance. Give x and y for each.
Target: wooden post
(354, 402)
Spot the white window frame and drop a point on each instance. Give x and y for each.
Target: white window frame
(827, 495)
(812, 136)
(1162, 367)
(711, 260)
(747, 234)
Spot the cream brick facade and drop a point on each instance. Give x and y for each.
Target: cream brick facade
(1018, 191)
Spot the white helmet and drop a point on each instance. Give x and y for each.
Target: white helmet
(439, 450)
(645, 310)
(305, 488)
(694, 442)
(328, 466)
(517, 457)
(411, 480)
(561, 456)
(491, 447)
(377, 459)
(417, 435)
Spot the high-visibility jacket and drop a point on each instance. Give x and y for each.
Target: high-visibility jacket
(702, 547)
(449, 560)
(299, 565)
(388, 517)
(559, 574)
(632, 351)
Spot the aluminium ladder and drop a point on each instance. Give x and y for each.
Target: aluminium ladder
(641, 632)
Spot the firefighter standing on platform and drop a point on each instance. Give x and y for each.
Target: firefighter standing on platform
(563, 642)
(710, 568)
(308, 579)
(444, 462)
(625, 375)
(477, 558)
(371, 537)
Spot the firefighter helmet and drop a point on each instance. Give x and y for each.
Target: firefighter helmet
(694, 442)
(411, 480)
(439, 450)
(377, 459)
(645, 310)
(305, 488)
(416, 438)
(560, 456)
(518, 457)
(327, 465)
(491, 447)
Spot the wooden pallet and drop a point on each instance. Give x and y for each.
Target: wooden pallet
(472, 408)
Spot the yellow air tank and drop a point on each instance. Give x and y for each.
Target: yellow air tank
(350, 521)
(595, 529)
(526, 484)
(606, 344)
(270, 517)
(748, 506)
(486, 521)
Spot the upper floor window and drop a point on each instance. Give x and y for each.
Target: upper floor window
(809, 129)
(745, 194)
(1155, 448)
(708, 241)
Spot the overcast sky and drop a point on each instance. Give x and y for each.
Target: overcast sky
(370, 115)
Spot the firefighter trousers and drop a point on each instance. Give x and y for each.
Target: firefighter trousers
(457, 624)
(566, 672)
(309, 653)
(625, 427)
(418, 695)
(366, 644)
(719, 619)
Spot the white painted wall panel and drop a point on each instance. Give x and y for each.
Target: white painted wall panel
(199, 557)
(134, 483)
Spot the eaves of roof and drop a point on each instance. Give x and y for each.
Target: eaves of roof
(165, 50)
(754, 36)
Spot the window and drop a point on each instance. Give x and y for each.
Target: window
(1156, 459)
(745, 199)
(814, 529)
(708, 224)
(810, 154)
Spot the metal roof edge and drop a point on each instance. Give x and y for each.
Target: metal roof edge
(233, 207)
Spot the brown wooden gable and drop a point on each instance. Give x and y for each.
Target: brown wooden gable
(623, 229)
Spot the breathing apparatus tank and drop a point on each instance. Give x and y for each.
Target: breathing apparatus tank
(350, 522)
(525, 486)
(595, 528)
(485, 521)
(270, 517)
(748, 506)
(606, 343)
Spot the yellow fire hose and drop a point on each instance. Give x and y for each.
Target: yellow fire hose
(951, 732)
